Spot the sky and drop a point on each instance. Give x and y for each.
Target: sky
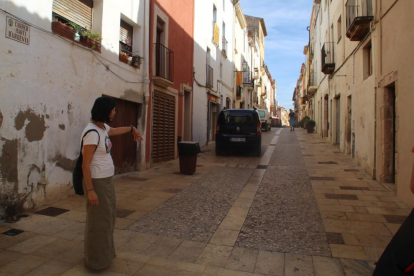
(286, 22)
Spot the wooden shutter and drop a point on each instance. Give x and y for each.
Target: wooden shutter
(125, 33)
(163, 127)
(76, 11)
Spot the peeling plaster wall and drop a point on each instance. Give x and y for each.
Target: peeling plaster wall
(50, 87)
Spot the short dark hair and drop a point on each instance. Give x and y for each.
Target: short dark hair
(102, 109)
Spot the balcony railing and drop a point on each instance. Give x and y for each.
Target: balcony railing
(224, 45)
(328, 58)
(247, 78)
(164, 62)
(209, 78)
(358, 17)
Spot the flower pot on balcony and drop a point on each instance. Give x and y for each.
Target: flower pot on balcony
(123, 58)
(62, 29)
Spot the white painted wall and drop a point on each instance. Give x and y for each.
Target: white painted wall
(54, 83)
(203, 39)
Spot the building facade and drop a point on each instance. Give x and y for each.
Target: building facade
(359, 86)
(170, 112)
(213, 65)
(54, 67)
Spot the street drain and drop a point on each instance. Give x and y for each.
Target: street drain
(328, 163)
(261, 167)
(52, 211)
(13, 232)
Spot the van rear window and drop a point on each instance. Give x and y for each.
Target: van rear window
(230, 118)
(262, 113)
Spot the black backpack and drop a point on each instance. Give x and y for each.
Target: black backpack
(77, 175)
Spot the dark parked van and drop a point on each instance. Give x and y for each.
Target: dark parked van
(239, 128)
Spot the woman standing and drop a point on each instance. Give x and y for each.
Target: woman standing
(98, 170)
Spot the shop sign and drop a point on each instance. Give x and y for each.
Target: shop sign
(213, 98)
(17, 30)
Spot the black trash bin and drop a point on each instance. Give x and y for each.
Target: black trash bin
(187, 152)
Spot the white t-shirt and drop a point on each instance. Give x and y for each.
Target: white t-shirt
(102, 165)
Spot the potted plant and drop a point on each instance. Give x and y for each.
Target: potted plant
(136, 61)
(84, 33)
(95, 40)
(76, 31)
(310, 126)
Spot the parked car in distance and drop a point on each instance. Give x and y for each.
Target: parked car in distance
(265, 119)
(238, 128)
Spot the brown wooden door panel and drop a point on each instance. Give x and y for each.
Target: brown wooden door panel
(124, 148)
(163, 127)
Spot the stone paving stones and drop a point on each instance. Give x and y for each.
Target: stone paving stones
(122, 213)
(298, 265)
(242, 259)
(215, 255)
(395, 218)
(284, 216)
(327, 266)
(272, 263)
(356, 267)
(195, 213)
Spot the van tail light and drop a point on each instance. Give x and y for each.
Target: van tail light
(218, 128)
(259, 129)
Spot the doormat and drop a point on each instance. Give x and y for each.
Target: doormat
(13, 232)
(52, 211)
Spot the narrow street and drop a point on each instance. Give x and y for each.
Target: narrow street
(302, 208)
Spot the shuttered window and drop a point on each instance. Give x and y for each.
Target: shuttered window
(76, 11)
(125, 33)
(163, 127)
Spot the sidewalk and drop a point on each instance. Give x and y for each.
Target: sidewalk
(172, 224)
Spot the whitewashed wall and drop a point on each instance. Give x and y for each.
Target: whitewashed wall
(48, 89)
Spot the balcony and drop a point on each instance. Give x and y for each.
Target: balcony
(328, 58)
(164, 65)
(313, 83)
(358, 18)
(209, 77)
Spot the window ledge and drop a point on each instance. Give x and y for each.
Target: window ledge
(160, 81)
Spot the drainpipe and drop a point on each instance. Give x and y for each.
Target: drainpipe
(146, 83)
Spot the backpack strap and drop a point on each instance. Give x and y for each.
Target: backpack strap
(99, 139)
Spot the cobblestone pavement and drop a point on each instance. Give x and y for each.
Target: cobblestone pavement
(303, 208)
(284, 216)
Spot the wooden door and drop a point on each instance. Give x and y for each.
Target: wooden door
(163, 131)
(124, 148)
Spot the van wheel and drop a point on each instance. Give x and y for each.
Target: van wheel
(265, 127)
(270, 127)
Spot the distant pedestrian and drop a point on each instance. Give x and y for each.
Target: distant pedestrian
(398, 257)
(292, 120)
(98, 170)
